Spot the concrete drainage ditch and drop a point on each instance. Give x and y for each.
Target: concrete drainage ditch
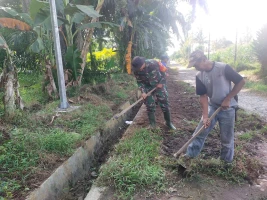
(101, 193)
(79, 164)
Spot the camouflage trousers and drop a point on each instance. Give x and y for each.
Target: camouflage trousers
(161, 95)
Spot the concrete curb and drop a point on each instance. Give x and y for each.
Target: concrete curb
(79, 164)
(97, 193)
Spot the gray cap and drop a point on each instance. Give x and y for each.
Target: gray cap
(194, 57)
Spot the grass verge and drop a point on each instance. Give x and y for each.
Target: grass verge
(134, 165)
(258, 86)
(31, 143)
(254, 82)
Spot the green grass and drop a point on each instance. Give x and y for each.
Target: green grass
(250, 72)
(256, 86)
(33, 138)
(31, 88)
(21, 155)
(85, 120)
(246, 136)
(134, 165)
(6, 189)
(59, 142)
(187, 87)
(253, 81)
(125, 79)
(121, 95)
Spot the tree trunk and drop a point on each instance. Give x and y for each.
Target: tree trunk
(87, 41)
(26, 5)
(50, 88)
(79, 40)
(9, 98)
(18, 100)
(12, 98)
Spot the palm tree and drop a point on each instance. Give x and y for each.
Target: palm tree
(145, 26)
(88, 39)
(201, 40)
(9, 76)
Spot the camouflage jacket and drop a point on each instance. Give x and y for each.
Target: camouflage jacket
(150, 77)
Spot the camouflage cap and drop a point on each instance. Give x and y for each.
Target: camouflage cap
(137, 63)
(194, 57)
(164, 57)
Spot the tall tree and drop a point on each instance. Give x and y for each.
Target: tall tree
(15, 4)
(9, 77)
(26, 6)
(260, 48)
(88, 39)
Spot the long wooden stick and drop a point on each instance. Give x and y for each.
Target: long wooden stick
(196, 134)
(126, 109)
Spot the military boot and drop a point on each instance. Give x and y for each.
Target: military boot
(167, 117)
(152, 120)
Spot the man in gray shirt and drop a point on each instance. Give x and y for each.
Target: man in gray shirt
(213, 84)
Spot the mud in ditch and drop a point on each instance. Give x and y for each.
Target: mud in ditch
(82, 187)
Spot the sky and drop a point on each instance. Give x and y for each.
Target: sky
(225, 17)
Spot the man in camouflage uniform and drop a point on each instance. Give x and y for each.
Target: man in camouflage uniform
(148, 76)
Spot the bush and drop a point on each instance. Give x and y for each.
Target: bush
(100, 65)
(245, 59)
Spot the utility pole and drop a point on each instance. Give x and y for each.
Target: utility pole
(60, 73)
(235, 45)
(209, 47)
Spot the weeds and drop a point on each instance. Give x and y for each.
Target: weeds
(247, 136)
(121, 95)
(215, 167)
(6, 188)
(31, 89)
(32, 137)
(59, 142)
(86, 120)
(133, 165)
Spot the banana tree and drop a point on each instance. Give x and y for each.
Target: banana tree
(9, 77)
(9, 81)
(75, 19)
(37, 45)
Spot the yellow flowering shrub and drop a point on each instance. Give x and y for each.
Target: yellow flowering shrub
(103, 55)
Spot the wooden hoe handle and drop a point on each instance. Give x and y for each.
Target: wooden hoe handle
(195, 135)
(126, 109)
